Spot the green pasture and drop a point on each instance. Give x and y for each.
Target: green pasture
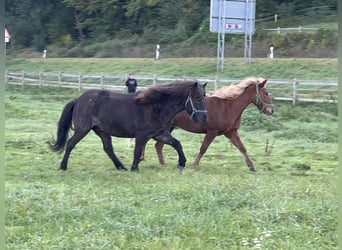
(289, 203)
(304, 69)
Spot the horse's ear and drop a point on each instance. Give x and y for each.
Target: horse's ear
(205, 84)
(263, 83)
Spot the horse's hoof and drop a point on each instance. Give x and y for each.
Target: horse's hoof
(121, 168)
(134, 169)
(252, 169)
(180, 168)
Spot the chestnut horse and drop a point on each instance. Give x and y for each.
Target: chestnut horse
(225, 106)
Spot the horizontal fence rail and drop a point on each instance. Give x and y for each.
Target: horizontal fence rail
(298, 29)
(293, 90)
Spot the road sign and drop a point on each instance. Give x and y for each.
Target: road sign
(234, 17)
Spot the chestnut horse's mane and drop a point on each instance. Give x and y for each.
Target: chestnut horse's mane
(233, 91)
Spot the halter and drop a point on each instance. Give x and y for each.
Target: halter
(258, 97)
(194, 110)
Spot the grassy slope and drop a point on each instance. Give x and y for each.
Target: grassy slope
(290, 203)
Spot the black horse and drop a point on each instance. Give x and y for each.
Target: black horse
(142, 116)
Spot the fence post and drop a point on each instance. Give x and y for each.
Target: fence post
(79, 82)
(59, 78)
(40, 76)
(101, 80)
(154, 79)
(216, 81)
(6, 76)
(22, 79)
(294, 91)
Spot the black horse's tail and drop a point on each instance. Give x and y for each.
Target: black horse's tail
(64, 126)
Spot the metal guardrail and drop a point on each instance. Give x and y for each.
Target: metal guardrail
(293, 90)
(298, 29)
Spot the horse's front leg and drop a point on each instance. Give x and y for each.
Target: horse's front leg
(208, 139)
(234, 137)
(167, 138)
(138, 151)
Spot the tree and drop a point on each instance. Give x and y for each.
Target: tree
(37, 23)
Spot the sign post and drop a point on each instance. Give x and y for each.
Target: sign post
(232, 17)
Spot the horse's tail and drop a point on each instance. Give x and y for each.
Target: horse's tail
(64, 126)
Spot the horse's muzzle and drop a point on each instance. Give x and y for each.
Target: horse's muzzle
(201, 118)
(204, 122)
(268, 111)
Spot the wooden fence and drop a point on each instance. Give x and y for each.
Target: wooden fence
(293, 90)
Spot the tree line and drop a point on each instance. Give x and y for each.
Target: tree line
(67, 23)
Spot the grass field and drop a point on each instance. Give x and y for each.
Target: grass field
(289, 203)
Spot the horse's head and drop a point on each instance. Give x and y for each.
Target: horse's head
(263, 100)
(194, 105)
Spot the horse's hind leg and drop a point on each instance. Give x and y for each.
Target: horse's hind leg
(159, 148)
(166, 138)
(74, 139)
(142, 156)
(108, 148)
(235, 139)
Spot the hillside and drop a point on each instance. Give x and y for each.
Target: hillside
(132, 28)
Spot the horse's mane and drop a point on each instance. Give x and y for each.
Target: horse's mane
(159, 92)
(233, 91)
